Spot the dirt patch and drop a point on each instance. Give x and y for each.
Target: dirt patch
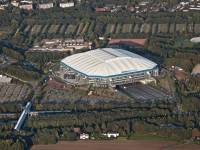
(196, 69)
(53, 84)
(107, 145)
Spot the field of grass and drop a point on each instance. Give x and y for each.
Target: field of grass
(62, 29)
(44, 30)
(139, 136)
(126, 28)
(53, 29)
(162, 28)
(34, 29)
(197, 28)
(181, 27)
(184, 45)
(146, 28)
(80, 28)
(190, 28)
(154, 28)
(27, 28)
(71, 29)
(171, 28)
(85, 29)
(109, 29)
(136, 28)
(118, 29)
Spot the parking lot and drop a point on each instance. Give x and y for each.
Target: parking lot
(54, 96)
(13, 93)
(144, 93)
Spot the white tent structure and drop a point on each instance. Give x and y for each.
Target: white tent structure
(107, 66)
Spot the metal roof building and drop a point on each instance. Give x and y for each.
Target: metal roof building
(106, 63)
(23, 116)
(195, 40)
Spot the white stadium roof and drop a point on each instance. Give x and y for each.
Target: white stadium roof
(108, 62)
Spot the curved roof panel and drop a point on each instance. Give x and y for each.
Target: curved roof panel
(108, 62)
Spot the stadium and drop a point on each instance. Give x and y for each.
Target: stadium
(195, 40)
(106, 67)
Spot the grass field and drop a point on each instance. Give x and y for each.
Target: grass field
(44, 30)
(141, 28)
(85, 29)
(53, 29)
(184, 45)
(146, 28)
(162, 28)
(38, 29)
(80, 28)
(71, 29)
(34, 29)
(136, 28)
(126, 28)
(197, 28)
(181, 27)
(118, 29)
(171, 28)
(109, 29)
(138, 136)
(154, 28)
(190, 28)
(62, 29)
(27, 28)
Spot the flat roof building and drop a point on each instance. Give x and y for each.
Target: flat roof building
(65, 5)
(45, 6)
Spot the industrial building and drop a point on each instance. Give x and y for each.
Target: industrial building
(107, 67)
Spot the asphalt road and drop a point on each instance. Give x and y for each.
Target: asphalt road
(172, 93)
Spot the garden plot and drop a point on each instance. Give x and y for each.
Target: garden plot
(4, 90)
(197, 28)
(80, 28)
(118, 29)
(109, 28)
(181, 27)
(127, 28)
(44, 30)
(27, 28)
(136, 28)
(171, 28)
(162, 28)
(70, 29)
(154, 26)
(62, 29)
(53, 29)
(190, 28)
(141, 28)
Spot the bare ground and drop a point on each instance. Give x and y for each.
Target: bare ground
(114, 145)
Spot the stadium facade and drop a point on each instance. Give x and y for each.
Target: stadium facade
(106, 67)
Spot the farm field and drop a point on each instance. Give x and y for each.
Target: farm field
(162, 28)
(113, 145)
(44, 30)
(197, 28)
(127, 28)
(171, 28)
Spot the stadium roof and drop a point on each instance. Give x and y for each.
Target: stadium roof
(108, 62)
(195, 40)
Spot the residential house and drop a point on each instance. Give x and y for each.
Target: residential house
(100, 9)
(145, 2)
(77, 130)
(45, 6)
(131, 9)
(14, 3)
(111, 134)
(65, 5)
(84, 136)
(5, 79)
(27, 7)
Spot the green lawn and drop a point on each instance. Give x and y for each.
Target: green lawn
(197, 28)
(71, 29)
(118, 29)
(109, 28)
(184, 45)
(162, 28)
(126, 28)
(80, 28)
(139, 136)
(136, 28)
(44, 30)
